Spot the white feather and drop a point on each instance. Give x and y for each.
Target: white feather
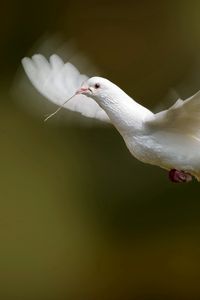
(58, 81)
(176, 135)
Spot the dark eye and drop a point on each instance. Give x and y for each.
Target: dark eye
(97, 85)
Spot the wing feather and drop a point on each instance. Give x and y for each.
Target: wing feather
(183, 117)
(58, 81)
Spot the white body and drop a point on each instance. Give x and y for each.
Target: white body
(151, 138)
(169, 139)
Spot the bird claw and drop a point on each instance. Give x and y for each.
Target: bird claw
(179, 176)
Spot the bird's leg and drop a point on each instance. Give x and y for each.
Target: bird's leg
(179, 176)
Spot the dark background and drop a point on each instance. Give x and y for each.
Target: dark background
(80, 218)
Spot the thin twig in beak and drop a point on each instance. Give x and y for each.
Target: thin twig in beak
(57, 110)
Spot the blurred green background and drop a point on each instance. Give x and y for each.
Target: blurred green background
(80, 218)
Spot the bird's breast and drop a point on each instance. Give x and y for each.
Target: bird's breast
(145, 149)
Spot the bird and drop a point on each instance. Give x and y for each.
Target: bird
(169, 139)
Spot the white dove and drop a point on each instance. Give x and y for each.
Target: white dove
(169, 139)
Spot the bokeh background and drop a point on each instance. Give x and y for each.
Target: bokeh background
(80, 218)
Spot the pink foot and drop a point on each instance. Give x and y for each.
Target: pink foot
(179, 176)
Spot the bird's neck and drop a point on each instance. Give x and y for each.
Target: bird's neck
(126, 114)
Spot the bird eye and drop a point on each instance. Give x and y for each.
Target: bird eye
(97, 85)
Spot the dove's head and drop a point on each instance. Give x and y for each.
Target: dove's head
(97, 87)
(100, 89)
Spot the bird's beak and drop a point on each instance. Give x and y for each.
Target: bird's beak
(83, 90)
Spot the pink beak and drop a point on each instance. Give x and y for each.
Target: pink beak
(82, 90)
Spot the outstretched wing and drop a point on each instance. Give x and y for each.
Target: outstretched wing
(58, 81)
(183, 117)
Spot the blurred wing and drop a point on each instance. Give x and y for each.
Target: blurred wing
(183, 117)
(58, 81)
